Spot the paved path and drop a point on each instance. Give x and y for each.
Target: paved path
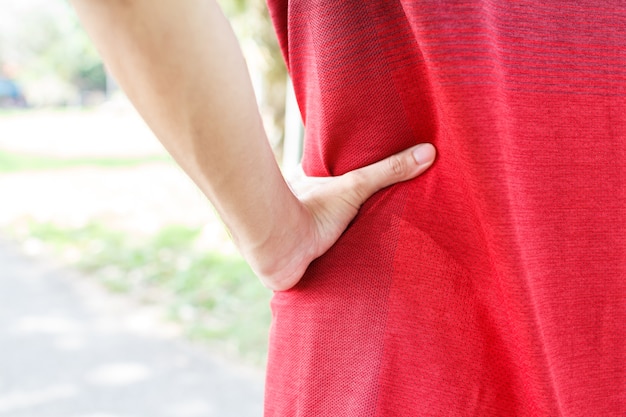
(67, 349)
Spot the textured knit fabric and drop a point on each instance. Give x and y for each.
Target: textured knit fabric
(495, 283)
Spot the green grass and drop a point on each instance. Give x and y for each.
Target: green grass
(11, 111)
(14, 162)
(216, 297)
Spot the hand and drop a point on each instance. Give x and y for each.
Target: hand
(212, 128)
(328, 205)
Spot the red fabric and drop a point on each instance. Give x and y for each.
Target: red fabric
(494, 284)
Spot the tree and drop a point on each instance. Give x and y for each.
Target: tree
(251, 22)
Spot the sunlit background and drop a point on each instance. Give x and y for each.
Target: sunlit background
(86, 187)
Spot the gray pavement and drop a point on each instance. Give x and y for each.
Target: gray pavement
(69, 349)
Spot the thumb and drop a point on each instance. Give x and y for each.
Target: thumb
(403, 166)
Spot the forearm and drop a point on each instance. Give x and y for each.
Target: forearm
(181, 66)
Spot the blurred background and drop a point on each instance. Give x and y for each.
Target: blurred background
(84, 184)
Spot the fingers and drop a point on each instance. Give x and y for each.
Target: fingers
(402, 166)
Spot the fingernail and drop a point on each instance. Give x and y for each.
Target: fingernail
(424, 153)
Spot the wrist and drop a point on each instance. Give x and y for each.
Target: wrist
(282, 257)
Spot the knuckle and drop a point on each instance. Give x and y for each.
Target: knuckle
(396, 166)
(355, 187)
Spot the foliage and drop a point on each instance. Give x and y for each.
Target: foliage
(49, 42)
(12, 162)
(216, 297)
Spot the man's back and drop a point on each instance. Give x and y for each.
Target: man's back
(494, 284)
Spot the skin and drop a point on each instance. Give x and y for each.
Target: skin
(181, 66)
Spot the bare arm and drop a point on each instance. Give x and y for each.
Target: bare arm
(180, 64)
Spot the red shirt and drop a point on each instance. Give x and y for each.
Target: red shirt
(495, 283)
